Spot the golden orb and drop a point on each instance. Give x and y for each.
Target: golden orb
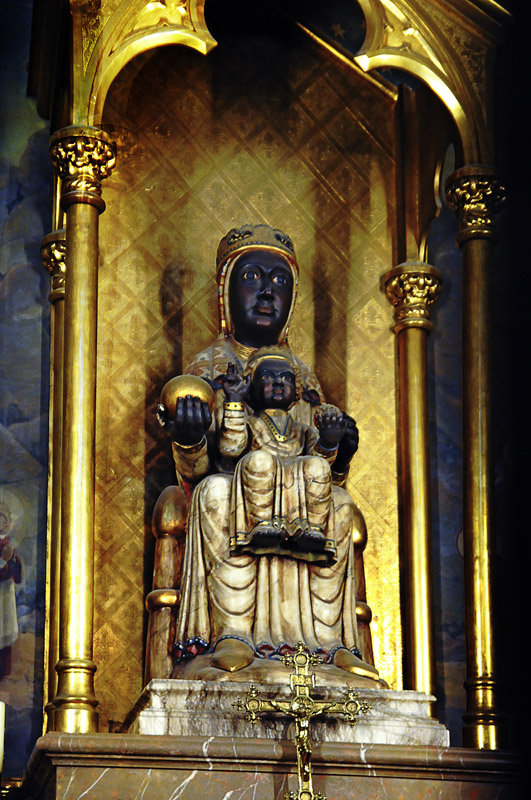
(182, 386)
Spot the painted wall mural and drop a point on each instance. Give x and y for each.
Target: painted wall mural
(25, 213)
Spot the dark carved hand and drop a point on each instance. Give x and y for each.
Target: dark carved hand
(191, 421)
(235, 387)
(311, 396)
(348, 445)
(331, 426)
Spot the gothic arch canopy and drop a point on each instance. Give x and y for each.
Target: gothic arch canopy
(447, 44)
(109, 33)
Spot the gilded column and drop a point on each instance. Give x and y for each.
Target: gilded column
(53, 250)
(476, 196)
(83, 157)
(412, 287)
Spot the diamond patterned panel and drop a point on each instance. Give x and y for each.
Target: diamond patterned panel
(306, 145)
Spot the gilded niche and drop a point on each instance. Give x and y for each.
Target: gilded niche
(322, 173)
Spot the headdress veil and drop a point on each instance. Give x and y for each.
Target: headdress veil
(232, 246)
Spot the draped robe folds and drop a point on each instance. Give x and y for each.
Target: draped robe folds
(280, 482)
(269, 602)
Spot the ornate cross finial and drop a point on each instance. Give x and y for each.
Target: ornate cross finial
(302, 707)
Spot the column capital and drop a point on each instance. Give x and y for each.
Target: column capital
(476, 196)
(53, 259)
(411, 288)
(82, 156)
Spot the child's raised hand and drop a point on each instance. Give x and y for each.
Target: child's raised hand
(235, 387)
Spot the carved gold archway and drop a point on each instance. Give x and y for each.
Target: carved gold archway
(447, 45)
(109, 33)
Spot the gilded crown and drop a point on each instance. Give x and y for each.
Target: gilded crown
(249, 236)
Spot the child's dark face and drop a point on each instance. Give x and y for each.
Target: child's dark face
(273, 385)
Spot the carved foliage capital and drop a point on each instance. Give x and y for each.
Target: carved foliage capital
(412, 288)
(82, 157)
(53, 259)
(476, 196)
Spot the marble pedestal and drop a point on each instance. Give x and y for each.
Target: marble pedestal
(223, 757)
(205, 708)
(133, 767)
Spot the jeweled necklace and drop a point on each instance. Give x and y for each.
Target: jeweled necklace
(282, 432)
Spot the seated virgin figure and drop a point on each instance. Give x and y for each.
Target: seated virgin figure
(251, 591)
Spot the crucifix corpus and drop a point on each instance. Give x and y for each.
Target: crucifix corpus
(302, 708)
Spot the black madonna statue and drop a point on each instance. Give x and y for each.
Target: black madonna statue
(269, 545)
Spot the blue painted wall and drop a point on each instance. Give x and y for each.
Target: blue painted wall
(25, 214)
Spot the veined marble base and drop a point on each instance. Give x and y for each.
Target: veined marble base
(102, 766)
(205, 708)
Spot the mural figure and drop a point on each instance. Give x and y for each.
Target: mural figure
(10, 574)
(251, 591)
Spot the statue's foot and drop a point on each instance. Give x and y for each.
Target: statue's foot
(266, 534)
(311, 541)
(232, 655)
(351, 663)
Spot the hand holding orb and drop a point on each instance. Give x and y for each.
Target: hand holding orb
(185, 409)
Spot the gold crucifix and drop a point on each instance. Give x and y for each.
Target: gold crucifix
(302, 707)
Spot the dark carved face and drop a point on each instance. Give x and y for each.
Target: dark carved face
(260, 292)
(274, 385)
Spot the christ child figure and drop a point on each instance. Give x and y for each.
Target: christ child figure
(282, 487)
